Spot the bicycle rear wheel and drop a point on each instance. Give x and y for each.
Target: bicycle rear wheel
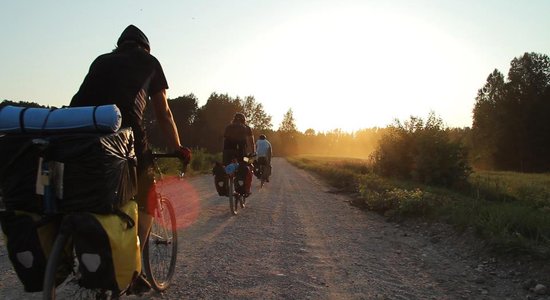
(62, 260)
(161, 248)
(262, 175)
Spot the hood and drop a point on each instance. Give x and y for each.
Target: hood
(132, 33)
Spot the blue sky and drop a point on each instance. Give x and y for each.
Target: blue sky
(338, 64)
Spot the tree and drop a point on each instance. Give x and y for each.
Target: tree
(6, 102)
(287, 134)
(255, 115)
(485, 128)
(510, 124)
(421, 151)
(184, 110)
(288, 124)
(209, 124)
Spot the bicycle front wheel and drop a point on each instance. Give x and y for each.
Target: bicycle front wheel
(161, 248)
(232, 197)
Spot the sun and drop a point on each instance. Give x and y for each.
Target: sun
(352, 68)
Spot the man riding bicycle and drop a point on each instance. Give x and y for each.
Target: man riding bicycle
(264, 153)
(129, 76)
(237, 140)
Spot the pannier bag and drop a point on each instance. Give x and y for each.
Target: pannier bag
(107, 247)
(262, 161)
(29, 240)
(103, 118)
(87, 172)
(243, 178)
(221, 180)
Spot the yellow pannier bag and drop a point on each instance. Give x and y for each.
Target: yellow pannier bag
(107, 248)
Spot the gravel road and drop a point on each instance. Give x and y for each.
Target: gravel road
(298, 239)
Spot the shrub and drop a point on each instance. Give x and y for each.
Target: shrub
(421, 152)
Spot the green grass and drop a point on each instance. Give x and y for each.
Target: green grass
(532, 189)
(201, 163)
(510, 211)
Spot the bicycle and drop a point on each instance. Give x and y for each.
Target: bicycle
(262, 170)
(236, 199)
(159, 254)
(162, 241)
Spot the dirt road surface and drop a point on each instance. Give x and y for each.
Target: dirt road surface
(298, 239)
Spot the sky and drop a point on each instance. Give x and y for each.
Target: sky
(341, 64)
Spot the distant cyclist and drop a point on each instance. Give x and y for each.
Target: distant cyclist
(238, 140)
(264, 153)
(129, 76)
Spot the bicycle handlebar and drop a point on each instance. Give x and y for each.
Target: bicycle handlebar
(172, 155)
(165, 155)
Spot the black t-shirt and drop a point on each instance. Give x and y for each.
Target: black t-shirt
(125, 77)
(235, 136)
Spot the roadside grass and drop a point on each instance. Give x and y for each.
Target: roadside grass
(201, 163)
(510, 211)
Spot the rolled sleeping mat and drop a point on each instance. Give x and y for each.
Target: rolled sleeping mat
(103, 118)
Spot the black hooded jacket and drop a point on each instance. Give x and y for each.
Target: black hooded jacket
(125, 77)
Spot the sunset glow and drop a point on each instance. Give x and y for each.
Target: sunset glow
(347, 64)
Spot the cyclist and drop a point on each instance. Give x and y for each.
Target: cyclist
(264, 152)
(237, 139)
(129, 76)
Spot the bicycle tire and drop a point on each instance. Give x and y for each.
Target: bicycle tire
(50, 276)
(262, 176)
(242, 201)
(69, 285)
(162, 241)
(232, 198)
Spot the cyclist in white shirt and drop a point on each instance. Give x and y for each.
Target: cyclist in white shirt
(264, 153)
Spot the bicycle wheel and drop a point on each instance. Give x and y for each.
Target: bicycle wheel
(232, 197)
(62, 260)
(242, 201)
(161, 249)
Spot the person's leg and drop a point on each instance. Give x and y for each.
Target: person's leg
(268, 168)
(145, 199)
(145, 221)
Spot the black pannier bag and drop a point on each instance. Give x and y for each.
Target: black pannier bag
(29, 240)
(243, 178)
(88, 172)
(221, 180)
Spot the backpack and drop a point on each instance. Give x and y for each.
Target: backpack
(29, 240)
(107, 248)
(221, 180)
(243, 178)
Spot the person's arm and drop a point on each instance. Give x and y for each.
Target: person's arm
(251, 145)
(165, 119)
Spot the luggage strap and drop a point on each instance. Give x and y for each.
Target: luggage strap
(129, 221)
(95, 121)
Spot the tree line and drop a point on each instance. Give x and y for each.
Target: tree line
(510, 128)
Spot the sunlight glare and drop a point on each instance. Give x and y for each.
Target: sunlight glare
(376, 66)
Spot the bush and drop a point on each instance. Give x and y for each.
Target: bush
(421, 152)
